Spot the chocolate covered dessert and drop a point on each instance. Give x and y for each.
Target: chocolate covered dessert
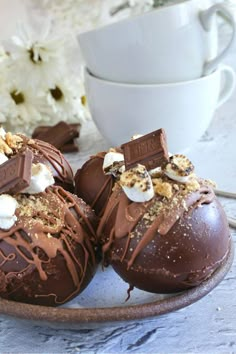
(93, 185)
(45, 153)
(50, 156)
(163, 229)
(47, 237)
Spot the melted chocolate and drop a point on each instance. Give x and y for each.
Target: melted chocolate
(92, 185)
(165, 245)
(54, 159)
(47, 257)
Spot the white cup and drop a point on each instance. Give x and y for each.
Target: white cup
(170, 44)
(184, 109)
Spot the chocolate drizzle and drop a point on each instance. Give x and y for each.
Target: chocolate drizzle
(47, 256)
(53, 158)
(131, 233)
(129, 214)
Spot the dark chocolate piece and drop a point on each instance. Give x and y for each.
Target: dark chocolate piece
(59, 134)
(150, 150)
(69, 147)
(15, 173)
(44, 128)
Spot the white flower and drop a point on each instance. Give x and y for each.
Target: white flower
(19, 107)
(65, 100)
(39, 54)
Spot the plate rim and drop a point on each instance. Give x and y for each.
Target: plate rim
(116, 314)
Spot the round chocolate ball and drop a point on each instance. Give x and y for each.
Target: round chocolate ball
(47, 256)
(92, 185)
(165, 245)
(47, 154)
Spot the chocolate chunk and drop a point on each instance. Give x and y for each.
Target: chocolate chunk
(15, 173)
(69, 147)
(57, 135)
(150, 150)
(44, 128)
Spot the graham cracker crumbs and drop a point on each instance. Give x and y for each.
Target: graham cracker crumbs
(13, 141)
(210, 183)
(180, 164)
(193, 185)
(40, 210)
(4, 148)
(30, 142)
(162, 188)
(137, 176)
(176, 187)
(153, 211)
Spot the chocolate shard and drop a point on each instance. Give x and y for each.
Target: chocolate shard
(44, 128)
(150, 150)
(58, 135)
(15, 174)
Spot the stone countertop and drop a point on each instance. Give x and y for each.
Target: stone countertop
(207, 326)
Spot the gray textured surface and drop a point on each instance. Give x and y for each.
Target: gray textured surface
(208, 326)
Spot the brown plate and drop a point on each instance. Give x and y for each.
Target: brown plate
(143, 305)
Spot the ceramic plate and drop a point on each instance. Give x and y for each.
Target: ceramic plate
(104, 301)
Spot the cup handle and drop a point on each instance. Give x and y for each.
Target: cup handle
(229, 84)
(206, 18)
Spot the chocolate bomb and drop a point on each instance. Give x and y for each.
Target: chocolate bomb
(92, 185)
(47, 154)
(47, 256)
(165, 246)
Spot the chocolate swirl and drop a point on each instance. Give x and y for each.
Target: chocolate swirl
(47, 257)
(165, 245)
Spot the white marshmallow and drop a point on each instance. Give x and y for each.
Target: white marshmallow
(41, 178)
(7, 223)
(8, 207)
(179, 168)
(155, 171)
(3, 157)
(112, 163)
(137, 184)
(169, 172)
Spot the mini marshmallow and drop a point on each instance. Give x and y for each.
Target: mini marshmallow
(41, 178)
(8, 207)
(113, 163)
(179, 169)
(7, 223)
(155, 171)
(3, 158)
(137, 184)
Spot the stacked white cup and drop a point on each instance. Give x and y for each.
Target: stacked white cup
(161, 69)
